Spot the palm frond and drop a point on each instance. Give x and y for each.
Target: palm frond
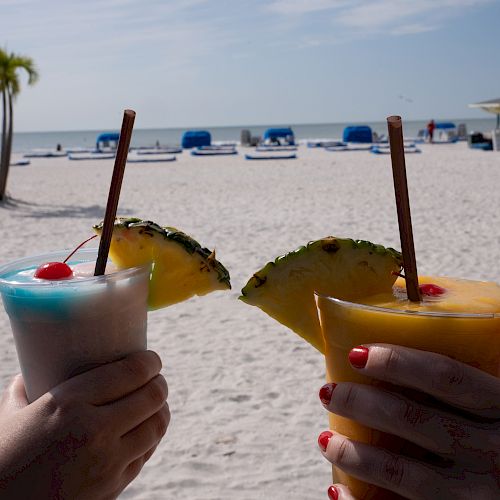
(26, 63)
(10, 64)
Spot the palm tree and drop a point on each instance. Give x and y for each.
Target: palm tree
(10, 88)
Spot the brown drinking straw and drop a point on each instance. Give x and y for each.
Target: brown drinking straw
(114, 191)
(395, 127)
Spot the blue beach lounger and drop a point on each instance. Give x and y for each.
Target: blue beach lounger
(150, 159)
(378, 150)
(275, 148)
(213, 152)
(91, 156)
(260, 156)
(159, 151)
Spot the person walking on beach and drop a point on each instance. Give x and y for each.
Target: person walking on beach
(430, 130)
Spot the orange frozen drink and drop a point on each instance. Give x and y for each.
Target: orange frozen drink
(462, 321)
(360, 302)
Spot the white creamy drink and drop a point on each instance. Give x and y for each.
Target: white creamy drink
(64, 327)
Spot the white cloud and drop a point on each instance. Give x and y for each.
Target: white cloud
(294, 7)
(13, 3)
(381, 12)
(100, 31)
(413, 29)
(395, 17)
(378, 13)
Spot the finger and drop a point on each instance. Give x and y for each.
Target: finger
(113, 381)
(130, 411)
(339, 492)
(435, 430)
(150, 453)
(14, 397)
(399, 474)
(133, 469)
(140, 440)
(446, 379)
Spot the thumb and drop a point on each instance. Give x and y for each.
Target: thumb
(14, 397)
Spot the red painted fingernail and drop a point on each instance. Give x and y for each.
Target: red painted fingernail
(323, 439)
(358, 356)
(325, 393)
(333, 494)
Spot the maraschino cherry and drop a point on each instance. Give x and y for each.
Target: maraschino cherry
(431, 290)
(58, 270)
(53, 271)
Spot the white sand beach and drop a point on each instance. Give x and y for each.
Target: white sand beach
(243, 389)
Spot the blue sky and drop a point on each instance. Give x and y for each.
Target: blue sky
(231, 62)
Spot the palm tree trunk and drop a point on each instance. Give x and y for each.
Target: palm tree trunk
(10, 133)
(4, 166)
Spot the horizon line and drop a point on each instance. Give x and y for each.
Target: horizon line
(198, 127)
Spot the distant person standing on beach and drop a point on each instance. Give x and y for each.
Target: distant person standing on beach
(430, 130)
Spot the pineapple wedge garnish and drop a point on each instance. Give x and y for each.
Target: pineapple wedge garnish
(341, 268)
(181, 267)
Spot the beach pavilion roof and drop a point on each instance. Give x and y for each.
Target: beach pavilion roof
(491, 106)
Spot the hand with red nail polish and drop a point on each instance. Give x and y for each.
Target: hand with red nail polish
(447, 413)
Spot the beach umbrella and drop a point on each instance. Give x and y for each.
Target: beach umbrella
(491, 106)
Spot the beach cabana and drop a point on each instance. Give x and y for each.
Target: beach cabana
(359, 134)
(447, 132)
(107, 140)
(279, 136)
(491, 106)
(195, 139)
(445, 126)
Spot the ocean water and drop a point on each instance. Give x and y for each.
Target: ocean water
(26, 141)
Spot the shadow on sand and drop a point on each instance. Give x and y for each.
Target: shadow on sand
(21, 208)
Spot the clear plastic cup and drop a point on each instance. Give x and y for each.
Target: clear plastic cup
(62, 328)
(471, 338)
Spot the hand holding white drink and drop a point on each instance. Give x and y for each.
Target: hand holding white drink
(89, 437)
(68, 434)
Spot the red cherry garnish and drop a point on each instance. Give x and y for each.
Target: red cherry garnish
(59, 270)
(54, 271)
(431, 290)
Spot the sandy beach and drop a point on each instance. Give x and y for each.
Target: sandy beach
(243, 389)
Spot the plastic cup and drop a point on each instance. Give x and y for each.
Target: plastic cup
(62, 328)
(471, 338)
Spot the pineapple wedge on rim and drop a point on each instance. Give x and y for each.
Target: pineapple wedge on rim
(342, 268)
(181, 267)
